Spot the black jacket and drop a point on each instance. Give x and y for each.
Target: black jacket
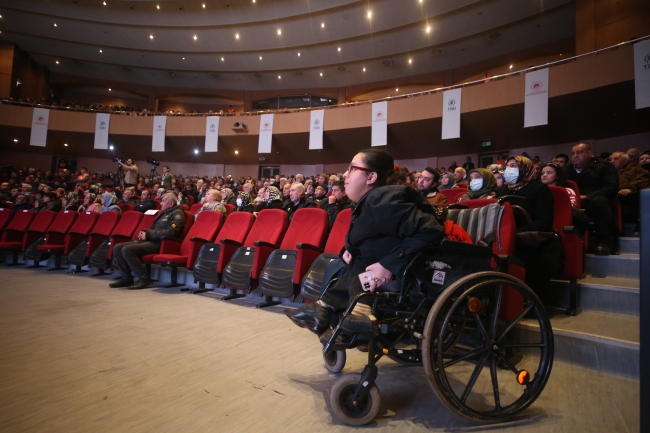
(291, 208)
(390, 225)
(168, 223)
(145, 205)
(333, 209)
(539, 204)
(598, 178)
(275, 204)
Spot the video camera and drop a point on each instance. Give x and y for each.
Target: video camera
(153, 161)
(117, 158)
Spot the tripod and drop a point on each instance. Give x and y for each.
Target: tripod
(119, 176)
(153, 172)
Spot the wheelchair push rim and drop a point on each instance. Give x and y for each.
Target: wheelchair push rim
(479, 378)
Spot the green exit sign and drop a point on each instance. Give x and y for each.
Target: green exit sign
(486, 144)
(262, 158)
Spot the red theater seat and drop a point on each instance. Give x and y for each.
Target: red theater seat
(76, 234)
(16, 238)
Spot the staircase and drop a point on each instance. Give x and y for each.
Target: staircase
(605, 336)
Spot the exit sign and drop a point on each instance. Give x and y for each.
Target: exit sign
(262, 158)
(486, 144)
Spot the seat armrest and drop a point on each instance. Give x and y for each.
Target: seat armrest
(510, 259)
(457, 206)
(52, 232)
(98, 234)
(306, 246)
(266, 244)
(512, 199)
(227, 241)
(121, 237)
(77, 234)
(198, 239)
(172, 239)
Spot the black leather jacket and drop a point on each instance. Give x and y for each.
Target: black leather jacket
(168, 223)
(598, 178)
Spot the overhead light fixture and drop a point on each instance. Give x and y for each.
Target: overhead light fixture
(279, 77)
(195, 38)
(104, 3)
(510, 66)
(110, 90)
(260, 57)
(203, 5)
(369, 14)
(322, 24)
(397, 90)
(298, 54)
(364, 69)
(183, 58)
(410, 61)
(428, 29)
(65, 144)
(279, 31)
(157, 6)
(150, 36)
(57, 62)
(54, 24)
(236, 151)
(237, 36)
(339, 48)
(222, 59)
(15, 140)
(196, 151)
(321, 74)
(100, 51)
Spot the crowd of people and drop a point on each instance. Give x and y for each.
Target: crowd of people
(591, 183)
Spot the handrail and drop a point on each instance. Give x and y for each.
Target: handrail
(345, 104)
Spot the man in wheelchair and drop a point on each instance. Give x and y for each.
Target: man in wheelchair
(390, 225)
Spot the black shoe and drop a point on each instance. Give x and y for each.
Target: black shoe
(601, 249)
(142, 283)
(122, 282)
(312, 316)
(357, 325)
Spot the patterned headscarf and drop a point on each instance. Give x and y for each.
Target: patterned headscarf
(245, 198)
(274, 194)
(526, 172)
(226, 194)
(489, 183)
(450, 184)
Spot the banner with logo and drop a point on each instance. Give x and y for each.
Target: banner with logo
(316, 129)
(40, 119)
(642, 74)
(159, 125)
(102, 123)
(266, 133)
(536, 103)
(379, 124)
(451, 113)
(212, 133)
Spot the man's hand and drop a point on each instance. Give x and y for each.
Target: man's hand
(347, 257)
(332, 199)
(382, 275)
(142, 236)
(626, 191)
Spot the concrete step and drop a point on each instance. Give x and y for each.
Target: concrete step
(599, 341)
(622, 265)
(609, 294)
(630, 245)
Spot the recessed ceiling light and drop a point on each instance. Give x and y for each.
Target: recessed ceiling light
(369, 14)
(364, 69)
(100, 51)
(196, 151)
(65, 144)
(253, 1)
(150, 36)
(420, 1)
(57, 62)
(237, 36)
(428, 29)
(339, 48)
(54, 24)
(260, 57)
(15, 140)
(279, 77)
(279, 31)
(321, 74)
(111, 147)
(203, 5)
(397, 90)
(110, 90)
(410, 61)
(104, 3)
(183, 58)
(195, 38)
(322, 24)
(510, 66)
(157, 6)
(298, 54)
(222, 59)
(236, 151)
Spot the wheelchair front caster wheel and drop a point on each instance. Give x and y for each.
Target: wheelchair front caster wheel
(334, 360)
(351, 412)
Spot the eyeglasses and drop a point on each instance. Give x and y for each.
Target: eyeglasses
(352, 167)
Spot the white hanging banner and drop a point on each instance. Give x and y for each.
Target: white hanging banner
(159, 125)
(40, 119)
(451, 103)
(266, 133)
(642, 74)
(212, 133)
(379, 124)
(316, 129)
(102, 123)
(536, 104)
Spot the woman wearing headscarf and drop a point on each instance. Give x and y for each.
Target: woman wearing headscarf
(228, 197)
(90, 204)
(447, 181)
(244, 203)
(482, 184)
(70, 202)
(539, 206)
(273, 200)
(109, 203)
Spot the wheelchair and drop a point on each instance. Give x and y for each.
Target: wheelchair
(458, 312)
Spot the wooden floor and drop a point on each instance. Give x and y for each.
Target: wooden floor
(78, 356)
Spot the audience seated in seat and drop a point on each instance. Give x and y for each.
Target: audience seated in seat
(553, 175)
(272, 200)
(212, 202)
(427, 184)
(336, 202)
(482, 184)
(145, 203)
(297, 199)
(109, 203)
(447, 181)
(244, 203)
(632, 179)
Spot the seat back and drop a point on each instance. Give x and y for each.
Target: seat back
(19, 223)
(270, 226)
(106, 223)
(336, 238)
(85, 223)
(229, 208)
(127, 207)
(479, 202)
(195, 208)
(128, 223)
(42, 221)
(206, 227)
(5, 217)
(236, 227)
(190, 199)
(307, 226)
(453, 194)
(189, 222)
(563, 215)
(145, 223)
(63, 221)
(574, 186)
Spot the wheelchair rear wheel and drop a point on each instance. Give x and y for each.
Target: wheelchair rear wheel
(478, 378)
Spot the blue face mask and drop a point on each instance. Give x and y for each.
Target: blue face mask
(510, 175)
(476, 184)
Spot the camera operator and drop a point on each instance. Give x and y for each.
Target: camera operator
(130, 172)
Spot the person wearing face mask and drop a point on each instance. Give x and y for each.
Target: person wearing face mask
(539, 204)
(244, 203)
(482, 184)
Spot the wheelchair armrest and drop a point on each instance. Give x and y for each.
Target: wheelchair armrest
(457, 206)
(266, 244)
(306, 246)
(198, 239)
(512, 199)
(227, 241)
(462, 247)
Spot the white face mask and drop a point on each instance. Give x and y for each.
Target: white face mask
(239, 202)
(476, 184)
(510, 175)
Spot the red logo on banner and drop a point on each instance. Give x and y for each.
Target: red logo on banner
(379, 114)
(536, 86)
(40, 118)
(266, 125)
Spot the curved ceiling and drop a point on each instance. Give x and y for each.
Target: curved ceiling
(275, 44)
